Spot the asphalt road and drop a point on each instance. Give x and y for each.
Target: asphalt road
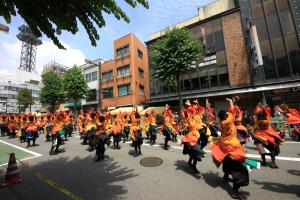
(121, 176)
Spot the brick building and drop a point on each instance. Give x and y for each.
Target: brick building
(124, 80)
(229, 65)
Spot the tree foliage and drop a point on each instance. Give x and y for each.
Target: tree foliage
(25, 99)
(51, 17)
(52, 91)
(174, 55)
(74, 85)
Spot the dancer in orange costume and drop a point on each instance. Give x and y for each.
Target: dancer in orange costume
(101, 139)
(265, 136)
(136, 131)
(80, 122)
(3, 124)
(23, 128)
(117, 130)
(12, 126)
(228, 151)
(57, 133)
(32, 131)
(191, 140)
(126, 127)
(201, 127)
(168, 128)
(242, 132)
(291, 114)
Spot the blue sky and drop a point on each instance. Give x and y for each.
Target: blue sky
(144, 22)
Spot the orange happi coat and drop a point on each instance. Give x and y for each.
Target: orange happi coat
(263, 131)
(228, 144)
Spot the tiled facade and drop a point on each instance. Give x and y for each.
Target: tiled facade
(235, 47)
(124, 80)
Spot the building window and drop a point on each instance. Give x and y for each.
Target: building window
(123, 51)
(223, 76)
(92, 95)
(124, 71)
(187, 85)
(123, 90)
(108, 93)
(94, 76)
(140, 54)
(107, 76)
(213, 76)
(142, 90)
(141, 73)
(88, 77)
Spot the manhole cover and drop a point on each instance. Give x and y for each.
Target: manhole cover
(151, 162)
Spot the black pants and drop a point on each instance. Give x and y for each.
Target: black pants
(117, 139)
(240, 175)
(31, 139)
(167, 139)
(23, 135)
(203, 137)
(3, 130)
(152, 138)
(58, 143)
(137, 146)
(100, 141)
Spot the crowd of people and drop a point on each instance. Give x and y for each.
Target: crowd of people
(225, 139)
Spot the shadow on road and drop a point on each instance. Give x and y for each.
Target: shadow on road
(214, 180)
(279, 187)
(294, 172)
(86, 178)
(182, 165)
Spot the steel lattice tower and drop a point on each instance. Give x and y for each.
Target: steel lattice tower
(28, 51)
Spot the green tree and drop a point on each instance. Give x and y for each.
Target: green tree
(51, 17)
(174, 55)
(52, 91)
(75, 86)
(25, 99)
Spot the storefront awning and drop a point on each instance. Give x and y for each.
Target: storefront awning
(77, 104)
(158, 110)
(124, 110)
(228, 91)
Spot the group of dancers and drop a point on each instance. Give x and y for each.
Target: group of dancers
(226, 140)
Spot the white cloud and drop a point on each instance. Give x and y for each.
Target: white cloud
(46, 52)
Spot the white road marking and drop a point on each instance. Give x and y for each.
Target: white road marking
(209, 151)
(291, 142)
(25, 150)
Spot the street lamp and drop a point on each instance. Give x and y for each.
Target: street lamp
(99, 77)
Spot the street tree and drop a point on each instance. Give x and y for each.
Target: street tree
(75, 86)
(173, 55)
(52, 92)
(25, 99)
(51, 17)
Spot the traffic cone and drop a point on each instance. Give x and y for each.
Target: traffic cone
(13, 175)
